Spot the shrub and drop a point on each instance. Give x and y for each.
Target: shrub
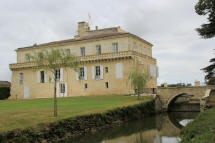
(4, 93)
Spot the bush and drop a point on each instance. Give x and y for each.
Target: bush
(4, 93)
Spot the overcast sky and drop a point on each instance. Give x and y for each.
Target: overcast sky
(168, 24)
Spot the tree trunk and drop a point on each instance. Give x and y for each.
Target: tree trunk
(55, 99)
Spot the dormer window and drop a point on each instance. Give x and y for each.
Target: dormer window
(115, 47)
(82, 51)
(98, 49)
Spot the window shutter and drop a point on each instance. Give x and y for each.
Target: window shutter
(38, 76)
(58, 89)
(61, 74)
(45, 76)
(66, 90)
(157, 72)
(52, 80)
(93, 72)
(119, 70)
(77, 74)
(85, 73)
(101, 70)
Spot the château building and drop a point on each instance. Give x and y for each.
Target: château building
(108, 56)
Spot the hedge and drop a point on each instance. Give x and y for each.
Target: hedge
(71, 127)
(4, 93)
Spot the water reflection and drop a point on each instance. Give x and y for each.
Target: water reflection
(164, 128)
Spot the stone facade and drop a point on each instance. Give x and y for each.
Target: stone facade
(120, 53)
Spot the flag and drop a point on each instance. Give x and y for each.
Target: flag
(89, 16)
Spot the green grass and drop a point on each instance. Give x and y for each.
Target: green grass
(28, 113)
(201, 130)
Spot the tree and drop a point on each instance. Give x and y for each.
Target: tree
(52, 60)
(210, 73)
(138, 81)
(206, 7)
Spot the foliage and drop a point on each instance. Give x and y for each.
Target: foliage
(206, 7)
(138, 81)
(80, 125)
(201, 130)
(4, 93)
(210, 73)
(52, 60)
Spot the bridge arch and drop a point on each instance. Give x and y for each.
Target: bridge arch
(172, 99)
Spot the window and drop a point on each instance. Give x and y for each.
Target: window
(82, 51)
(135, 47)
(98, 72)
(67, 52)
(106, 85)
(27, 57)
(141, 49)
(115, 47)
(98, 49)
(42, 76)
(57, 74)
(62, 88)
(81, 73)
(106, 69)
(21, 77)
(85, 86)
(145, 51)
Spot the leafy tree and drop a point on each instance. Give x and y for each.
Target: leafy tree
(206, 7)
(138, 81)
(52, 60)
(210, 73)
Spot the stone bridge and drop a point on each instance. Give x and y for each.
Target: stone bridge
(194, 95)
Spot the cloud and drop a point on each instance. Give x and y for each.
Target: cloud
(168, 24)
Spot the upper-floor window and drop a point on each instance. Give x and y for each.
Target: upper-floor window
(21, 78)
(106, 69)
(27, 57)
(115, 47)
(81, 77)
(98, 72)
(57, 74)
(82, 51)
(145, 51)
(67, 52)
(135, 46)
(141, 49)
(98, 49)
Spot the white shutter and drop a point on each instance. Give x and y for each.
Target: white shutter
(61, 74)
(157, 72)
(38, 76)
(45, 76)
(53, 76)
(119, 70)
(58, 89)
(65, 95)
(85, 73)
(101, 71)
(77, 74)
(93, 72)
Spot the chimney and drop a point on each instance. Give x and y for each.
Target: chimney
(83, 27)
(97, 28)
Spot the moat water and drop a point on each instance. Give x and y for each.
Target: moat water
(163, 128)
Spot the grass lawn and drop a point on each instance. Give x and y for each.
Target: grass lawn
(201, 130)
(27, 113)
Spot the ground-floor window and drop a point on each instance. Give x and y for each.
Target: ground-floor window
(106, 69)
(98, 72)
(42, 76)
(57, 74)
(85, 86)
(21, 77)
(62, 88)
(81, 77)
(106, 85)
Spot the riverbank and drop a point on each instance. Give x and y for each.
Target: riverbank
(201, 130)
(73, 126)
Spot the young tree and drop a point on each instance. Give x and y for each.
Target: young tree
(206, 7)
(210, 73)
(138, 81)
(52, 60)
